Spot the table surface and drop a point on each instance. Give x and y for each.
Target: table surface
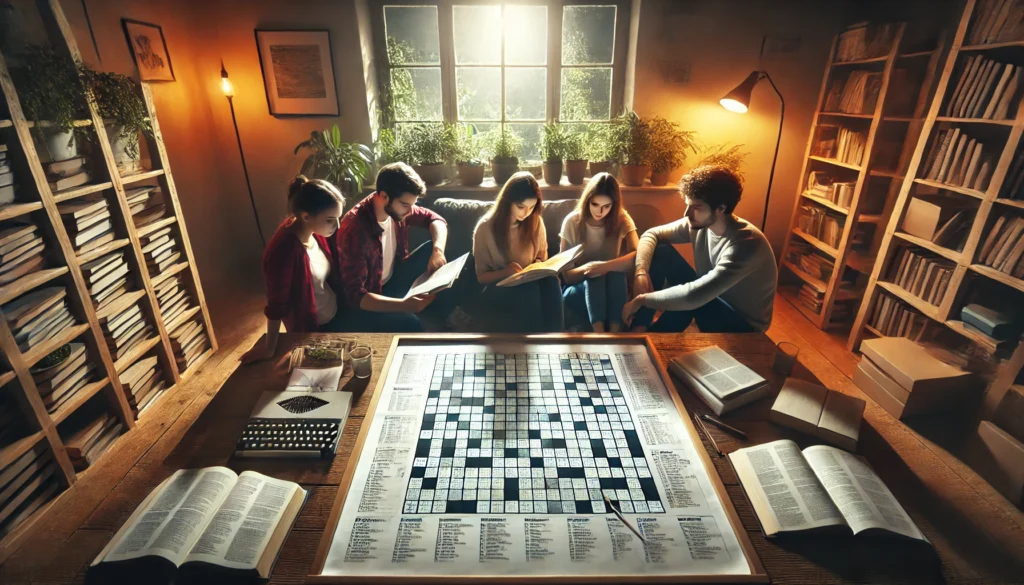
(958, 552)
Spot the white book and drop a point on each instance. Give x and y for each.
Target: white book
(553, 266)
(719, 379)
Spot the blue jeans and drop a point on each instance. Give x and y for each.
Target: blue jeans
(600, 298)
(534, 307)
(669, 268)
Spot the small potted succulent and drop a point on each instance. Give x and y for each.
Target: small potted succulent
(631, 140)
(503, 146)
(469, 163)
(120, 105)
(432, 147)
(552, 151)
(575, 157)
(669, 145)
(599, 148)
(343, 164)
(52, 95)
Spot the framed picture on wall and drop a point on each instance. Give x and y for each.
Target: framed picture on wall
(149, 50)
(298, 72)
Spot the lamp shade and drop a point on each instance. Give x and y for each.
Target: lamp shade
(738, 100)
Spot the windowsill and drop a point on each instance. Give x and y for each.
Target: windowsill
(489, 186)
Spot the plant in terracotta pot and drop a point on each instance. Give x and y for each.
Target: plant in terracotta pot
(599, 148)
(432, 147)
(503, 147)
(575, 157)
(631, 142)
(343, 164)
(669, 146)
(52, 95)
(552, 150)
(120, 104)
(469, 162)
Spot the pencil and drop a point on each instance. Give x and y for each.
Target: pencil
(708, 435)
(723, 426)
(623, 520)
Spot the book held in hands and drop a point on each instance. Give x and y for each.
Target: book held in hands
(553, 266)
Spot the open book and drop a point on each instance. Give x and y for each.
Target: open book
(719, 379)
(819, 487)
(442, 278)
(201, 523)
(553, 266)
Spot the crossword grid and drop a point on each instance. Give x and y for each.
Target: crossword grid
(528, 433)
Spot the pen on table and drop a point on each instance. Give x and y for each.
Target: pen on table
(623, 520)
(723, 426)
(700, 423)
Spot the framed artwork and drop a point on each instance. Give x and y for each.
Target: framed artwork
(149, 50)
(298, 72)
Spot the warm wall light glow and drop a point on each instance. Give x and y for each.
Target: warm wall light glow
(729, 104)
(225, 83)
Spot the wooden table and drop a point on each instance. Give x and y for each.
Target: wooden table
(960, 554)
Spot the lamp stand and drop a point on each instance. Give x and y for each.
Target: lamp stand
(775, 157)
(245, 170)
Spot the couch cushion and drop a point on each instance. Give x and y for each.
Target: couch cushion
(463, 214)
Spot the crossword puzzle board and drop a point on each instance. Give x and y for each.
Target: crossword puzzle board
(530, 460)
(529, 434)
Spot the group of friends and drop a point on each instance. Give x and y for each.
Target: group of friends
(333, 271)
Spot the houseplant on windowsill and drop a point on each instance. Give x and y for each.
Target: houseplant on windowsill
(503, 146)
(552, 151)
(432, 147)
(598, 148)
(124, 114)
(343, 164)
(575, 157)
(469, 163)
(669, 145)
(631, 140)
(52, 95)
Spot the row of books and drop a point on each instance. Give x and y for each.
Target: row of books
(189, 341)
(1003, 248)
(955, 158)
(893, 318)
(147, 205)
(820, 184)
(863, 41)
(66, 174)
(813, 298)
(87, 441)
(839, 143)
(107, 279)
(124, 330)
(21, 249)
(173, 300)
(922, 274)
(996, 21)
(58, 384)
(824, 226)
(857, 94)
(87, 221)
(160, 248)
(143, 382)
(37, 316)
(8, 186)
(942, 221)
(26, 485)
(985, 89)
(1013, 185)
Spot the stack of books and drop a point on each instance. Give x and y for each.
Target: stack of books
(823, 186)
(839, 143)
(60, 383)
(188, 341)
(147, 206)
(7, 183)
(957, 159)
(895, 319)
(822, 225)
(861, 41)
(922, 274)
(21, 250)
(174, 300)
(1013, 186)
(26, 484)
(945, 222)
(37, 316)
(160, 249)
(857, 94)
(87, 221)
(90, 439)
(66, 174)
(143, 382)
(996, 21)
(1003, 247)
(107, 279)
(138, 197)
(1001, 327)
(125, 329)
(813, 298)
(985, 89)
(906, 379)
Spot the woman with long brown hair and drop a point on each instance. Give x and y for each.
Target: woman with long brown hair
(596, 288)
(507, 239)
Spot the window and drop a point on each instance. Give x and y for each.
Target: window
(518, 64)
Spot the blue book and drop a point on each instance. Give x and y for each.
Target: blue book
(990, 322)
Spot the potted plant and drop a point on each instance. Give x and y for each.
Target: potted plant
(669, 145)
(599, 148)
(344, 164)
(503, 146)
(52, 96)
(118, 101)
(631, 141)
(552, 150)
(575, 157)
(469, 163)
(432, 146)
(730, 157)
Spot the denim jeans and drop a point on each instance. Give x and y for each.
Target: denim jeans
(669, 268)
(534, 307)
(600, 299)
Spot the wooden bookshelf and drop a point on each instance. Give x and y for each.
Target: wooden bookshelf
(64, 268)
(869, 172)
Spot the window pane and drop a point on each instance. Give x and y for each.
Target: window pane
(526, 35)
(477, 35)
(416, 93)
(530, 133)
(526, 93)
(412, 35)
(586, 94)
(478, 90)
(588, 35)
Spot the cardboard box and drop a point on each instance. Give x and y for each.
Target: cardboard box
(867, 378)
(999, 458)
(912, 367)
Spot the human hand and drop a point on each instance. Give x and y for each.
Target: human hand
(630, 309)
(593, 269)
(436, 261)
(642, 284)
(513, 268)
(418, 303)
(259, 352)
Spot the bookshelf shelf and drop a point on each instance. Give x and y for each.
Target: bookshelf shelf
(156, 225)
(955, 189)
(81, 397)
(141, 176)
(980, 339)
(6, 123)
(825, 203)
(946, 253)
(6, 377)
(68, 194)
(860, 61)
(133, 355)
(46, 348)
(1002, 277)
(900, 119)
(887, 174)
(48, 124)
(846, 115)
(1011, 203)
(19, 209)
(835, 162)
(169, 272)
(869, 218)
(817, 283)
(104, 249)
(974, 121)
(926, 309)
(182, 318)
(11, 452)
(816, 242)
(873, 331)
(991, 46)
(917, 54)
(26, 283)
(124, 302)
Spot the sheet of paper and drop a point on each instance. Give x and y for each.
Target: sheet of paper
(496, 459)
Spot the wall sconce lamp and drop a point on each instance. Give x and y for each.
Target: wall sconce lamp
(229, 92)
(738, 100)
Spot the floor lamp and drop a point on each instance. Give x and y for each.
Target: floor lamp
(738, 100)
(229, 92)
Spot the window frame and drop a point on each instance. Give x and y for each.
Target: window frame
(446, 47)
